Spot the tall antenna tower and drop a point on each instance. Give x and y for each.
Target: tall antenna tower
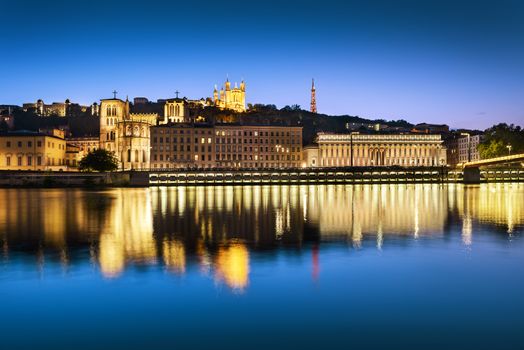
(313, 97)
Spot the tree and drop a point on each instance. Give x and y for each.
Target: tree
(498, 137)
(492, 149)
(98, 160)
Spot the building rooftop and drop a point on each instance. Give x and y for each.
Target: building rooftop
(28, 133)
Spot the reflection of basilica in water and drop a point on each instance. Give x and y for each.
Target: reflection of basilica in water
(217, 228)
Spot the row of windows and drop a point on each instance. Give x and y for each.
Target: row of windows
(203, 157)
(20, 144)
(111, 111)
(30, 160)
(255, 133)
(368, 161)
(226, 132)
(180, 131)
(388, 152)
(266, 141)
(230, 165)
(230, 148)
(29, 144)
(223, 140)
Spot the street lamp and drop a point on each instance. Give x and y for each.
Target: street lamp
(509, 149)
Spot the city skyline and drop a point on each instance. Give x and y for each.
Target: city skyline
(457, 64)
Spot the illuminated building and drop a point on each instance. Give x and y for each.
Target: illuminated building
(126, 134)
(338, 150)
(182, 145)
(58, 109)
(85, 144)
(225, 146)
(26, 150)
(231, 98)
(176, 110)
(468, 148)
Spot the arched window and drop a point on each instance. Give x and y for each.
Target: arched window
(177, 110)
(114, 111)
(137, 159)
(144, 159)
(129, 155)
(108, 111)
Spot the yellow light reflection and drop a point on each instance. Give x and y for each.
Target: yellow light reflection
(232, 266)
(174, 256)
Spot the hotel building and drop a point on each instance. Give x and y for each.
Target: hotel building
(225, 146)
(339, 150)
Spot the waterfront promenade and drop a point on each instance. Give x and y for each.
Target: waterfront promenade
(211, 177)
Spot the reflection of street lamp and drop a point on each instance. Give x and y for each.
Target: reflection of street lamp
(442, 169)
(469, 144)
(509, 149)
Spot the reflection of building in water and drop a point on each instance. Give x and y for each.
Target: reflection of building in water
(499, 204)
(174, 254)
(127, 232)
(123, 227)
(232, 265)
(354, 211)
(260, 214)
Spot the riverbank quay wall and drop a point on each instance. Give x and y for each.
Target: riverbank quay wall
(356, 175)
(12, 179)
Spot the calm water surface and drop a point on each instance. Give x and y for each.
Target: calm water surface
(309, 267)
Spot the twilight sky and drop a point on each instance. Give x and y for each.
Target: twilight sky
(455, 62)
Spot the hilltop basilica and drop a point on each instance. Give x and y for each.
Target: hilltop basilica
(227, 98)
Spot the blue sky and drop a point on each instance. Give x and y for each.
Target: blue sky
(455, 62)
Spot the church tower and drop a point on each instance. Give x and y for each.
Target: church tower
(313, 97)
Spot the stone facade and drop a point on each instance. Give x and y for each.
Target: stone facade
(176, 110)
(25, 150)
(467, 148)
(338, 150)
(225, 146)
(126, 134)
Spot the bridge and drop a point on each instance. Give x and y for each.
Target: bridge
(472, 169)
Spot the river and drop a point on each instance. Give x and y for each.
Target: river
(312, 267)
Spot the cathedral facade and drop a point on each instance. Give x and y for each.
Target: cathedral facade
(231, 98)
(126, 134)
